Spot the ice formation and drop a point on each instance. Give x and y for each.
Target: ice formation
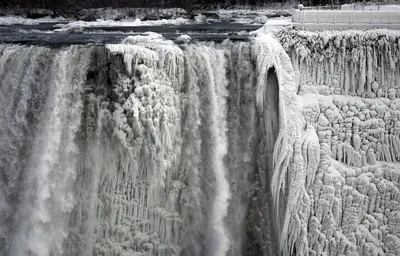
(183, 39)
(348, 86)
(282, 145)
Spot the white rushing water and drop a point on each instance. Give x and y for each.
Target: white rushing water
(216, 89)
(52, 165)
(45, 198)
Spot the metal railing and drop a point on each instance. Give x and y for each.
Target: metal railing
(346, 17)
(346, 7)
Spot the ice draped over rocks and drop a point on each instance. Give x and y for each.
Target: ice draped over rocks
(287, 174)
(202, 93)
(349, 88)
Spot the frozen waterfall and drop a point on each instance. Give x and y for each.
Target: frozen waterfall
(286, 144)
(138, 148)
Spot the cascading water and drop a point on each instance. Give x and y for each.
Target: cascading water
(139, 148)
(213, 62)
(40, 98)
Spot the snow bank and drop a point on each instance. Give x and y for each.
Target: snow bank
(11, 20)
(237, 14)
(252, 16)
(271, 25)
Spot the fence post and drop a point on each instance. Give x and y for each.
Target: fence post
(302, 17)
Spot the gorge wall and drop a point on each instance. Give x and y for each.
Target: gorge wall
(349, 88)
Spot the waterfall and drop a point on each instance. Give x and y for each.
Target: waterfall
(213, 64)
(141, 148)
(39, 170)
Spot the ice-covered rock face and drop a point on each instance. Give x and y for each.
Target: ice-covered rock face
(348, 86)
(176, 173)
(355, 63)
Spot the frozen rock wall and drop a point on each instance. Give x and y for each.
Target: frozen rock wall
(173, 138)
(349, 88)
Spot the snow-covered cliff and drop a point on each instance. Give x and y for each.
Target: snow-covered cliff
(349, 90)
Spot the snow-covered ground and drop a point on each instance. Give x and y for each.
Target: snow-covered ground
(259, 16)
(12, 20)
(272, 24)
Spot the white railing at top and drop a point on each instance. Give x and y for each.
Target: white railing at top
(346, 7)
(346, 17)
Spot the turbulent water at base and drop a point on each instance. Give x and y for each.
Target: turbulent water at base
(138, 148)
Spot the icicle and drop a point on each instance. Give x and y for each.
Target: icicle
(311, 154)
